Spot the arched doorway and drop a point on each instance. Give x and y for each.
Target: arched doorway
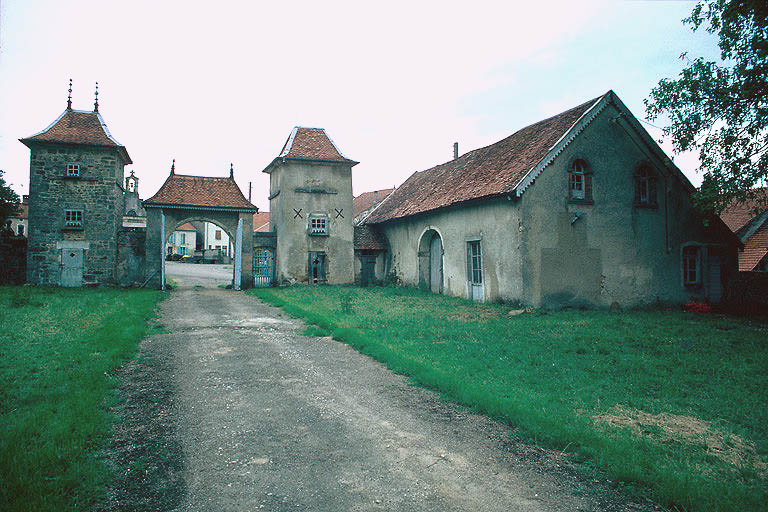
(199, 253)
(431, 261)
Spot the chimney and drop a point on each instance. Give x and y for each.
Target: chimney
(375, 196)
(455, 150)
(249, 191)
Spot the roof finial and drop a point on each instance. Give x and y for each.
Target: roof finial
(69, 96)
(231, 170)
(173, 167)
(96, 103)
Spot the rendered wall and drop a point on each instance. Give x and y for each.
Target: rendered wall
(495, 223)
(615, 251)
(312, 188)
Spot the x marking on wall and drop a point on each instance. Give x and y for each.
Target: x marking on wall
(338, 213)
(298, 213)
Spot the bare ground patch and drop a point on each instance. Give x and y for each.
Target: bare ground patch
(738, 453)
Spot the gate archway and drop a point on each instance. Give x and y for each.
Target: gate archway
(431, 261)
(184, 198)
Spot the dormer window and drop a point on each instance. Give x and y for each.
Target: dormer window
(73, 218)
(645, 187)
(73, 170)
(579, 182)
(318, 225)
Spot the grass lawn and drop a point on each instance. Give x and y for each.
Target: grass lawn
(58, 348)
(674, 403)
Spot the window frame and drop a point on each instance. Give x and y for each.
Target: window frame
(73, 170)
(73, 218)
(645, 181)
(474, 262)
(692, 254)
(217, 234)
(580, 172)
(319, 230)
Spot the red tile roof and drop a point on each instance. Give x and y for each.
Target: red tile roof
(486, 172)
(78, 127)
(310, 144)
(738, 214)
(200, 191)
(368, 238)
(261, 221)
(367, 199)
(186, 227)
(23, 211)
(755, 249)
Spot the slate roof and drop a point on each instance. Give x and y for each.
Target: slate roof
(368, 238)
(366, 200)
(482, 173)
(738, 214)
(200, 191)
(78, 127)
(261, 221)
(312, 144)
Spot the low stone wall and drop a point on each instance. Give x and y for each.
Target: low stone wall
(131, 256)
(13, 259)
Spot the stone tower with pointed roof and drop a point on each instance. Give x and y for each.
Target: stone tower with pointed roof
(75, 200)
(310, 208)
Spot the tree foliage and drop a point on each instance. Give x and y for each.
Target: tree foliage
(721, 109)
(9, 202)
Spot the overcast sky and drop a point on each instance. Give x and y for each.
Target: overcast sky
(393, 83)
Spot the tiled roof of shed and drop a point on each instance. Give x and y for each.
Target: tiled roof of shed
(368, 238)
(201, 191)
(186, 227)
(261, 221)
(367, 199)
(486, 172)
(78, 127)
(755, 249)
(738, 214)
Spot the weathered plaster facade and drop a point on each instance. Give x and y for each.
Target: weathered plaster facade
(538, 246)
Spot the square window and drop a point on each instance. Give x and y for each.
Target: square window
(73, 170)
(318, 225)
(73, 218)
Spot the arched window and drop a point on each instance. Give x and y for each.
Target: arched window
(645, 187)
(579, 182)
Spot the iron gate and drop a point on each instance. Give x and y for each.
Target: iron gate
(263, 267)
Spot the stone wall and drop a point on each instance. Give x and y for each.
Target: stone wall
(131, 256)
(97, 192)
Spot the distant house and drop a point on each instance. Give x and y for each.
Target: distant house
(365, 202)
(749, 222)
(582, 208)
(18, 223)
(182, 241)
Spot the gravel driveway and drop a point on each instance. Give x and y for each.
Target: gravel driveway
(233, 409)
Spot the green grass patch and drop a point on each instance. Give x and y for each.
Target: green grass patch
(673, 403)
(58, 349)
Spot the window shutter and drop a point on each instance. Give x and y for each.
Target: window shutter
(571, 183)
(588, 187)
(638, 185)
(469, 261)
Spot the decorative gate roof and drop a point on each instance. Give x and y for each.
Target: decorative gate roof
(200, 192)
